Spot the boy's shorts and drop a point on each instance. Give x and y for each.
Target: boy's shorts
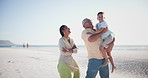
(107, 40)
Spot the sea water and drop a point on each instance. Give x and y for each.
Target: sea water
(116, 47)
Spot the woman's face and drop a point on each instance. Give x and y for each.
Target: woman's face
(66, 31)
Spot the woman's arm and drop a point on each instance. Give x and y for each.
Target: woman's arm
(67, 50)
(63, 50)
(74, 48)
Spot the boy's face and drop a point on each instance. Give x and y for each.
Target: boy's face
(100, 17)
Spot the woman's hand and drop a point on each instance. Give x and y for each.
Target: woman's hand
(74, 47)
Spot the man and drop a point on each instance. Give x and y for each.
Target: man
(92, 43)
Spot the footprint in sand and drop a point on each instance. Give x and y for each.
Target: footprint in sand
(36, 58)
(11, 61)
(146, 70)
(18, 71)
(0, 73)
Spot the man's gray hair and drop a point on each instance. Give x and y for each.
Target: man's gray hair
(85, 20)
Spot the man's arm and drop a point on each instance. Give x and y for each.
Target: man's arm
(94, 37)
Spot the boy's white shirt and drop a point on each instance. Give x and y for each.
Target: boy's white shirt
(103, 24)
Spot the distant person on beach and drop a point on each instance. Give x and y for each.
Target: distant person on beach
(23, 45)
(95, 56)
(108, 37)
(67, 66)
(27, 45)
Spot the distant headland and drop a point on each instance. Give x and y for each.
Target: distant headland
(6, 43)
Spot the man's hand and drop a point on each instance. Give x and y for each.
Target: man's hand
(105, 29)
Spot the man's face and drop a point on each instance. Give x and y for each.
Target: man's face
(88, 24)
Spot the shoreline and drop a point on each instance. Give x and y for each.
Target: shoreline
(116, 47)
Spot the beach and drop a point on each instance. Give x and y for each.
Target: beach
(42, 63)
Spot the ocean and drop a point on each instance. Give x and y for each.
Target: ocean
(116, 47)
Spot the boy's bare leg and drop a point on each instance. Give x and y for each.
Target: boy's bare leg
(110, 46)
(111, 61)
(104, 54)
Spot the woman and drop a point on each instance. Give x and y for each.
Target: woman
(67, 66)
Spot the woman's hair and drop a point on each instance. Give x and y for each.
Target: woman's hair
(61, 30)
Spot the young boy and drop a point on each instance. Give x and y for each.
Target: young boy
(108, 37)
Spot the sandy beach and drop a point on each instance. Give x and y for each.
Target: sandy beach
(42, 63)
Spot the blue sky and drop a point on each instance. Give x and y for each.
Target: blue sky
(38, 21)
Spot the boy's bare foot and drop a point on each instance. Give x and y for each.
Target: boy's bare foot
(113, 68)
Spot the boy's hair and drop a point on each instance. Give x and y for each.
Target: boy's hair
(100, 13)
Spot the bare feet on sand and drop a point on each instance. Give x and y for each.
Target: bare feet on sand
(113, 68)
